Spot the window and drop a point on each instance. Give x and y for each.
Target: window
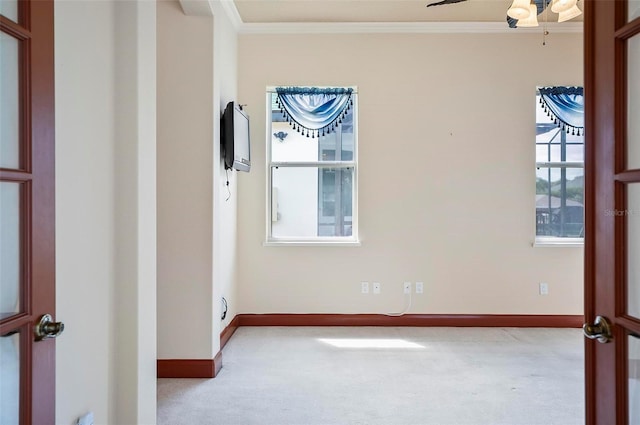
(559, 165)
(311, 166)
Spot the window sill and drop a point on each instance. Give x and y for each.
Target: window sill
(558, 242)
(312, 242)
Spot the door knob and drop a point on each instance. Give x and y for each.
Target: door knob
(47, 328)
(600, 330)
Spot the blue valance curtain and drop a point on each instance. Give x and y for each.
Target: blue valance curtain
(565, 106)
(314, 111)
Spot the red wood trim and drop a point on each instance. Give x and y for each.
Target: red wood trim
(217, 364)
(227, 332)
(15, 176)
(628, 176)
(9, 27)
(629, 29)
(469, 320)
(189, 368)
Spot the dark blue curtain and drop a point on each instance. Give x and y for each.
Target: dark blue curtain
(565, 106)
(314, 111)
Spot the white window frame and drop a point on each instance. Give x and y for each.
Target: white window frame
(270, 240)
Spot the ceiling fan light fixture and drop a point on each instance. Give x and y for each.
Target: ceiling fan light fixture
(569, 14)
(532, 20)
(559, 6)
(519, 9)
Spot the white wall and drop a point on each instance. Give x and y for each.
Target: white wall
(446, 175)
(105, 189)
(197, 223)
(135, 212)
(85, 179)
(185, 178)
(225, 198)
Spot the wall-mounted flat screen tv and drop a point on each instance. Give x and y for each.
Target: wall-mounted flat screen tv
(234, 138)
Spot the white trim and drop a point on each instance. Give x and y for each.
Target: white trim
(319, 241)
(400, 27)
(560, 164)
(229, 7)
(551, 242)
(311, 242)
(197, 7)
(318, 164)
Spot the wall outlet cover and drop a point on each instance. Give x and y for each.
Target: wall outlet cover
(544, 288)
(364, 287)
(419, 287)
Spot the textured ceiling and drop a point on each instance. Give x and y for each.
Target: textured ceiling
(272, 11)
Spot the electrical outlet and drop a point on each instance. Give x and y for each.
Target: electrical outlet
(376, 288)
(407, 287)
(419, 287)
(544, 288)
(365, 287)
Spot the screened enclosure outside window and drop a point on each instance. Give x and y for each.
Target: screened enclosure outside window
(311, 177)
(559, 179)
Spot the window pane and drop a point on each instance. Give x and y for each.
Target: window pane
(288, 145)
(9, 102)
(634, 9)
(335, 191)
(338, 145)
(297, 209)
(10, 382)
(311, 202)
(559, 202)
(9, 9)
(552, 152)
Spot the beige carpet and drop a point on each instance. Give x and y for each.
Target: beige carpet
(386, 376)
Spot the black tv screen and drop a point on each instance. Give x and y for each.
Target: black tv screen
(234, 138)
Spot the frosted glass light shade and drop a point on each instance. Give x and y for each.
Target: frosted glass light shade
(532, 20)
(559, 6)
(569, 14)
(519, 9)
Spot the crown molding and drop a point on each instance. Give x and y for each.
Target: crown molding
(402, 28)
(196, 7)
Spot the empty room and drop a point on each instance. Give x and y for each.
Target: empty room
(319, 212)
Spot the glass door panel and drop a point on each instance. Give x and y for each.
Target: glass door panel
(9, 102)
(633, 103)
(634, 9)
(634, 379)
(10, 382)
(9, 9)
(10, 261)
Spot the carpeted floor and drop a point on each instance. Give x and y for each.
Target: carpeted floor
(386, 376)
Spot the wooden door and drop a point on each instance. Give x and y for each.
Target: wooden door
(27, 274)
(612, 244)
